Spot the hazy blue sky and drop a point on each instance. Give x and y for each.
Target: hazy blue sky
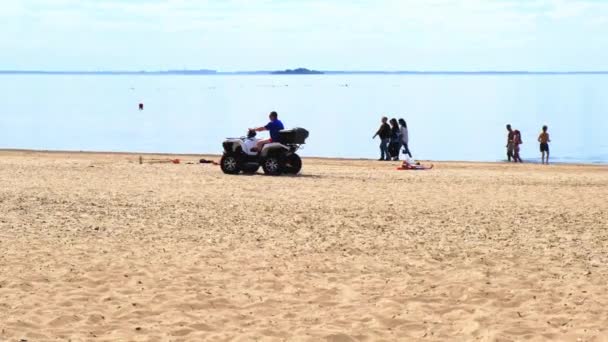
(322, 34)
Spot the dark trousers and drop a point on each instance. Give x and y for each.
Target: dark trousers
(393, 149)
(406, 149)
(384, 155)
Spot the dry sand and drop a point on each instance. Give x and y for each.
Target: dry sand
(97, 247)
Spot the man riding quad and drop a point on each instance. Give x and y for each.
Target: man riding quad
(273, 127)
(276, 155)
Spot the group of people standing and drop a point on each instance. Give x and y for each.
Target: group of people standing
(392, 138)
(514, 140)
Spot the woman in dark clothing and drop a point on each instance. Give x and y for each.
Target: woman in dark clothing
(395, 140)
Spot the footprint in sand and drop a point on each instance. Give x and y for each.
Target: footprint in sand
(64, 320)
(339, 338)
(181, 332)
(95, 319)
(202, 327)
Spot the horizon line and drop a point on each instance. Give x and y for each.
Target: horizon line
(216, 72)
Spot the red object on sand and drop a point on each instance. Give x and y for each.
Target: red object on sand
(408, 166)
(175, 161)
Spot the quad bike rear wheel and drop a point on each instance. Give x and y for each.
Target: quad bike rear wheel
(293, 164)
(273, 165)
(230, 164)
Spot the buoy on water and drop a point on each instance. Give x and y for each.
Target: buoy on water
(141, 106)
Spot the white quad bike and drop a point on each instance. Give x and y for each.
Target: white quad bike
(275, 158)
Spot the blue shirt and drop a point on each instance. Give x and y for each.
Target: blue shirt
(274, 127)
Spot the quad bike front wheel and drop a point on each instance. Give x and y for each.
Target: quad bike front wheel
(230, 164)
(273, 165)
(293, 164)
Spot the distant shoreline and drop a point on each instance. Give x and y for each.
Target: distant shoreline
(280, 73)
(4, 151)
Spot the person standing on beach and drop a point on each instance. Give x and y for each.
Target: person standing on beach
(395, 143)
(509, 142)
(516, 142)
(384, 132)
(544, 141)
(404, 138)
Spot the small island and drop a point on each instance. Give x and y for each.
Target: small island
(298, 71)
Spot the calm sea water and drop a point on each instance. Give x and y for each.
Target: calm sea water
(449, 117)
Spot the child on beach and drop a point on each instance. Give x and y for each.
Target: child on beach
(544, 141)
(516, 142)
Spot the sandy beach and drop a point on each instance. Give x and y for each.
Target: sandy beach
(96, 247)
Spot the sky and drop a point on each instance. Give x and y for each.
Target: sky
(231, 35)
